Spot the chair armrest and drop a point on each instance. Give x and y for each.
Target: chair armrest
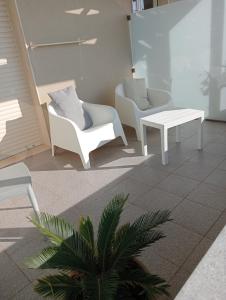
(121, 100)
(127, 109)
(159, 97)
(64, 132)
(100, 114)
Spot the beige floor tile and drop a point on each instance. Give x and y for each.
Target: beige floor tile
(45, 197)
(222, 166)
(217, 227)
(211, 127)
(217, 177)
(62, 181)
(11, 278)
(177, 282)
(155, 162)
(130, 186)
(194, 170)
(191, 143)
(209, 195)
(178, 244)
(206, 159)
(13, 217)
(157, 199)
(178, 185)
(131, 213)
(189, 214)
(123, 159)
(197, 254)
(218, 149)
(219, 138)
(14, 237)
(63, 205)
(27, 294)
(104, 178)
(25, 249)
(189, 129)
(148, 175)
(92, 206)
(158, 265)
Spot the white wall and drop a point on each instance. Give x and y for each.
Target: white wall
(96, 67)
(181, 47)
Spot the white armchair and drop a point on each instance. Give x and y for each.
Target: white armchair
(129, 112)
(66, 134)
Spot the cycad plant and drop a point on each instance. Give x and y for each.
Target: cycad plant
(105, 267)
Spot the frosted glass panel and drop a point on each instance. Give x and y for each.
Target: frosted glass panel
(181, 48)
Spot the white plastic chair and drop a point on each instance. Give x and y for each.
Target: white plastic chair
(66, 134)
(15, 180)
(129, 112)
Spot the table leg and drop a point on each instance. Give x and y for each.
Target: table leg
(200, 133)
(144, 140)
(178, 134)
(164, 145)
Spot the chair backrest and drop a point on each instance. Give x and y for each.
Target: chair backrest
(119, 90)
(52, 109)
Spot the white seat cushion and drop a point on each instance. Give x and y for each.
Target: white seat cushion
(135, 89)
(67, 104)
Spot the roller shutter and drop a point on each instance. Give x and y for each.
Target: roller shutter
(19, 128)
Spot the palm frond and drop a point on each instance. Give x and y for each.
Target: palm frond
(86, 231)
(103, 287)
(54, 258)
(63, 235)
(37, 261)
(53, 227)
(130, 240)
(59, 286)
(131, 244)
(151, 220)
(135, 275)
(107, 227)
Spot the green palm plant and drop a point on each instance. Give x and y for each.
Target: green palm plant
(105, 268)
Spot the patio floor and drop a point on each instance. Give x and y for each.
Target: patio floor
(193, 186)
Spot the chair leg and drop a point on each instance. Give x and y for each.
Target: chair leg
(138, 134)
(33, 199)
(85, 160)
(124, 138)
(53, 152)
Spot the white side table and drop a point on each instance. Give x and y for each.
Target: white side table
(168, 119)
(15, 180)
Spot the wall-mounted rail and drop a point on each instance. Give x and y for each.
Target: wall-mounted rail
(77, 42)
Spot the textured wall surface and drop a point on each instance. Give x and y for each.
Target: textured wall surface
(96, 66)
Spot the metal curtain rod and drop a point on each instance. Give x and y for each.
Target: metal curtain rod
(33, 46)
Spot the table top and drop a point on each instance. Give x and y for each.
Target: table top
(173, 117)
(208, 280)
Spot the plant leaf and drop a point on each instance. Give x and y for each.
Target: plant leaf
(56, 229)
(102, 287)
(107, 227)
(59, 286)
(152, 220)
(130, 240)
(54, 258)
(135, 275)
(86, 231)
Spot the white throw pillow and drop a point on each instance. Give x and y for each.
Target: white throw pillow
(135, 89)
(68, 105)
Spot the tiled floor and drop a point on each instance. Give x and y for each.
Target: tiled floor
(193, 186)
